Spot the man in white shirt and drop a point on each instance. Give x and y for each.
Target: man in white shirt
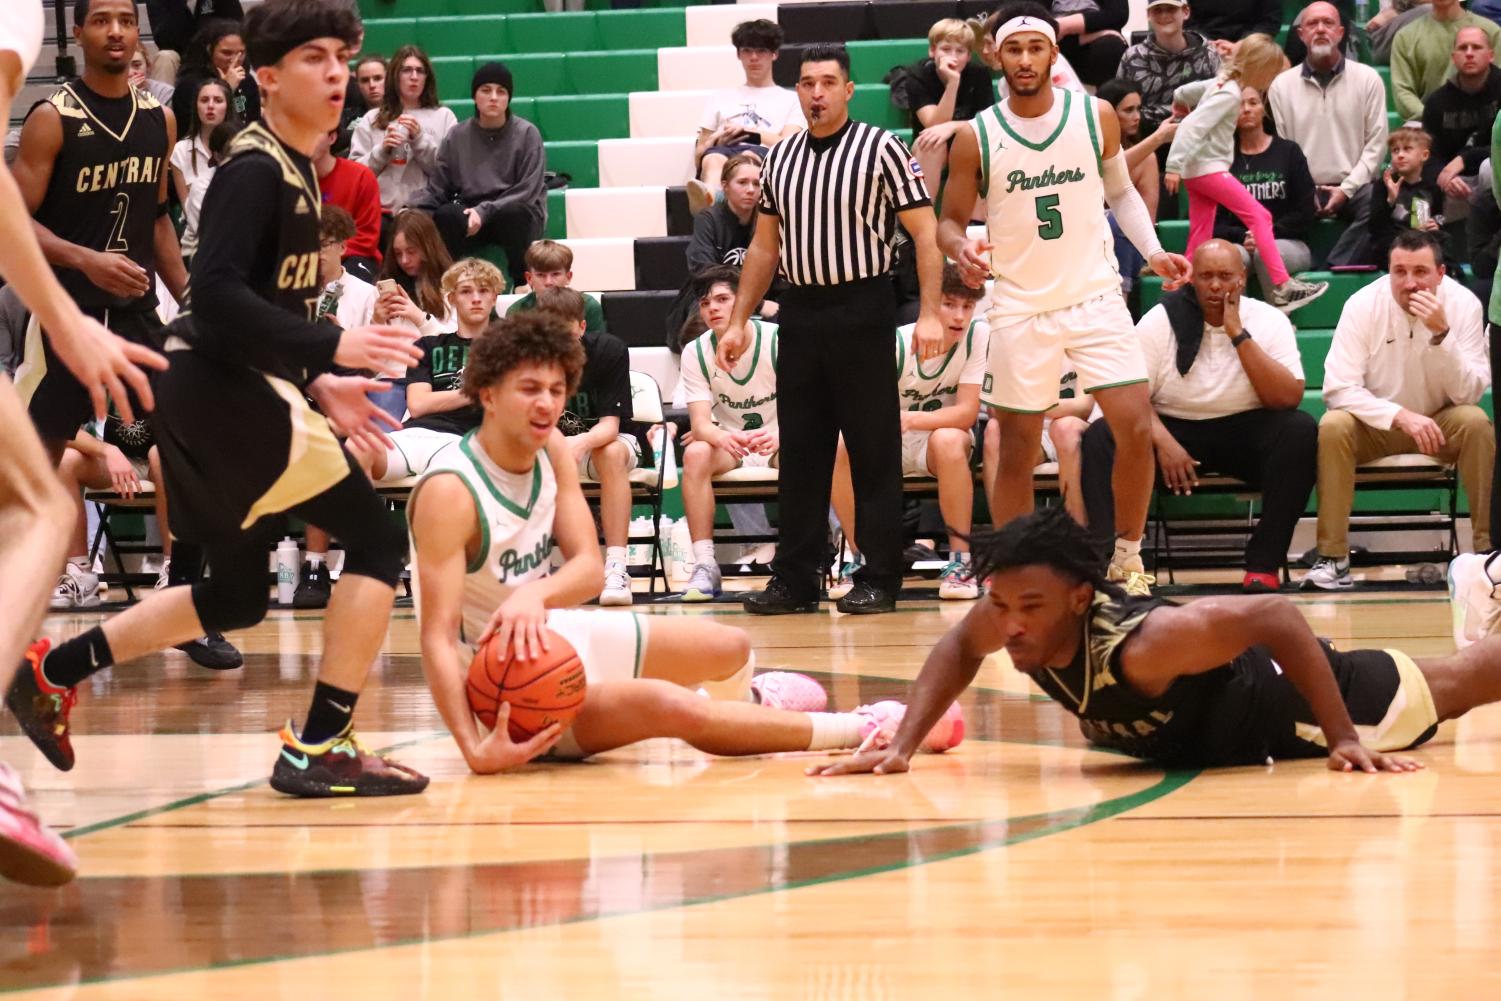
(1226, 380)
(751, 118)
(1404, 374)
(1336, 111)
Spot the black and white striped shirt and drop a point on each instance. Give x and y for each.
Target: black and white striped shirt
(837, 198)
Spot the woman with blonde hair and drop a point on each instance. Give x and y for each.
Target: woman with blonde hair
(1204, 149)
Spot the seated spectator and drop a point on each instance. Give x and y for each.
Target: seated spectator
(1062, 435)
(595, 423)
(1089, 36)
(1226, 379)
(439, 412)
(733, 415)
(939, 409)
(217, 52)
(1204, 149)
(1460, 114)
(1141, 160)
(1297, 52)
(1405, 373)
(365, 91)
(1275, 172)
(175, 22)
(192, 206)
(353, 188)
(348, 300)
(753, 117)
(944, 91)
(1169, 57)
(1405, 196)
(1394, 15)
(191, 155)
(1335, 111)
(487, 187)
(140, 75)
(549, 264)
(399, 138)
(1422, 53)
(410, 289)
(1226, 22)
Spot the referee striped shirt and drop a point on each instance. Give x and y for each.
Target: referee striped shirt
(837, 198)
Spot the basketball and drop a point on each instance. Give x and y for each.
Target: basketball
(549, 689)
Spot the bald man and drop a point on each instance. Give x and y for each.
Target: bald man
(1459, 114)
(1225, 380)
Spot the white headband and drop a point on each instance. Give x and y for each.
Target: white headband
(1024, 23)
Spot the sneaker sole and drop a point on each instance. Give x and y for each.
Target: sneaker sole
(23, 863)
(700, 595)
(955, 595)
(303, 787)
(802, 609)
(876, 610)
(615, 601)
(1290, 307)
(1308, 585)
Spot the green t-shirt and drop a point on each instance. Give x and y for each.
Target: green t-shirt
(594, 315)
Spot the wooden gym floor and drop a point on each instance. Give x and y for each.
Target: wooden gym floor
(1021, 866)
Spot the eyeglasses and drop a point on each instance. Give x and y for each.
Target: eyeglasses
(413, 71)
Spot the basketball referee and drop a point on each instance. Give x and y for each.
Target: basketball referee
(831, 201)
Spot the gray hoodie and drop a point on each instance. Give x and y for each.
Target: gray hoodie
(491, 170)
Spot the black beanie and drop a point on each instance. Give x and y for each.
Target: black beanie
(492, 73)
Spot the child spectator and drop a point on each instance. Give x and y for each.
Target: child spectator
(549, 264)
(1169, 57)
(1404, 196)
(946, 90)
(353, 188)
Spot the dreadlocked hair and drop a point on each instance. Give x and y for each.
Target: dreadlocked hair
(1047, 538)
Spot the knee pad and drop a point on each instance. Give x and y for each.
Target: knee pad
(380, 554)
(224, 604)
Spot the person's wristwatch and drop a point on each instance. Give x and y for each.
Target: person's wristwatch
(1240, 338)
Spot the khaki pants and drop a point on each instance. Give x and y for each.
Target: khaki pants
(1345, 443)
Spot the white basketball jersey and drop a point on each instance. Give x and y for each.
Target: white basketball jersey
(1045, 205)
(21, 31)
(745, 398)
(516, 527)
(934, 384)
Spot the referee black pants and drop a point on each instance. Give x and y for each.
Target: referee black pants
(836, 373)
(1275, 451)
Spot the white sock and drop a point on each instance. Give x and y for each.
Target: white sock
(1127, 554)
(79, 563)
(315, 559)
(735, 688)
(614, 554)
(834, 731)
(703, 553)
(962, 556)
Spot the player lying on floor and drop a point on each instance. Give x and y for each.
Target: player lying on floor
(1219, 681)
(484, 521)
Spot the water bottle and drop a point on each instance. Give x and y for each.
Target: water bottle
(287, 559)
(682, 551)
(638, 547)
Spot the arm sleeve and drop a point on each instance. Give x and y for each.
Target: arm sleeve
(1131, 213)
(1108, 15)
(693, 384)
(1344, 368)
(527, 187)
(230, 320)
(1461, 361)
(907, 189)
(1294, 223)
(1368, 167)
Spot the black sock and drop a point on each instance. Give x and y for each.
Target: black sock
(187, 563)
(330, 713)
(77, 659)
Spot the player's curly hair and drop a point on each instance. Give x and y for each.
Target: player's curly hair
(530, 338)
(1047, 538)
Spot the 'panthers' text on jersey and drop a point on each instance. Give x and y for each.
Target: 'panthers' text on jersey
(934, 384)
(744, 399)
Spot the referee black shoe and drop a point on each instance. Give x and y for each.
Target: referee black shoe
(867, 599)
(779, 599)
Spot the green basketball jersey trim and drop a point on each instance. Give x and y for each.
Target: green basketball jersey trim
(495, 491)
(1062, 121)
(755, 356)
(1094, 137)
(984, 136)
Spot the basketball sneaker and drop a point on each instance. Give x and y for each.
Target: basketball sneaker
(882, 719)
(846, 582)
(957, 582)
(617, 585)
(213, 651)
(76, 588)
(1474, 596)
(704, 584)
(314, 586)
(30, 852)
(1328, 574)
(340, 766)
(42, 709)
(1136, 583)
(789, 690)
(1295, 293)
(164, 576)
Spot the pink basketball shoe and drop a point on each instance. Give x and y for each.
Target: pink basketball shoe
(30, 852)
(883, 719)
(789, 690)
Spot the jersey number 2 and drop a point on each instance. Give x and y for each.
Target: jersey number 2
(117, 242)
(1049, 219)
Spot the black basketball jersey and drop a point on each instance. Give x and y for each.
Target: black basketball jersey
(1113, 714)
(106, 184)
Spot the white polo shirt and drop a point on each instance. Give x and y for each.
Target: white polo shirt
(1216, 385)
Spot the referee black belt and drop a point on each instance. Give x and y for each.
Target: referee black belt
(824, 295)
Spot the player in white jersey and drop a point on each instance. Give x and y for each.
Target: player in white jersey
(940, 401)
(1047, 161)
(35, 512)
(484, 521)
(734, 415)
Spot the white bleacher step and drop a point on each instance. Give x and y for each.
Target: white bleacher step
(663, 161)
(607, 263)
(624, 211)
(667, 113)
(712, 24)
(698, 67)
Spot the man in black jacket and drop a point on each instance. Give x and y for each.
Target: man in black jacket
(1459, 114)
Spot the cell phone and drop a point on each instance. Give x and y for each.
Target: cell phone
(387, 286)
(752, 138)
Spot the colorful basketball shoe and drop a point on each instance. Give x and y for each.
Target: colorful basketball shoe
(42, 708)
(340, 766)
(790, 690)
(30, 852)
(883, 719)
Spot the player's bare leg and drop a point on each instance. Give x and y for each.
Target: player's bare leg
(948, 461)
(1020, 443)
(1067, 433)
(1129, 411)
(702, 462)
(354, 629)
(1465, 679)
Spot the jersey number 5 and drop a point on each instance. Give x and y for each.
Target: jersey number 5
(1049, 219)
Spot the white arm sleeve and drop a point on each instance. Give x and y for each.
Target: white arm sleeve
(1130, 211)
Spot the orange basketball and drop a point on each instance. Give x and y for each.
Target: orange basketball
(548, 689)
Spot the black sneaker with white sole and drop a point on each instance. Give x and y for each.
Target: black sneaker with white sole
(313, 586)
(213, 652)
